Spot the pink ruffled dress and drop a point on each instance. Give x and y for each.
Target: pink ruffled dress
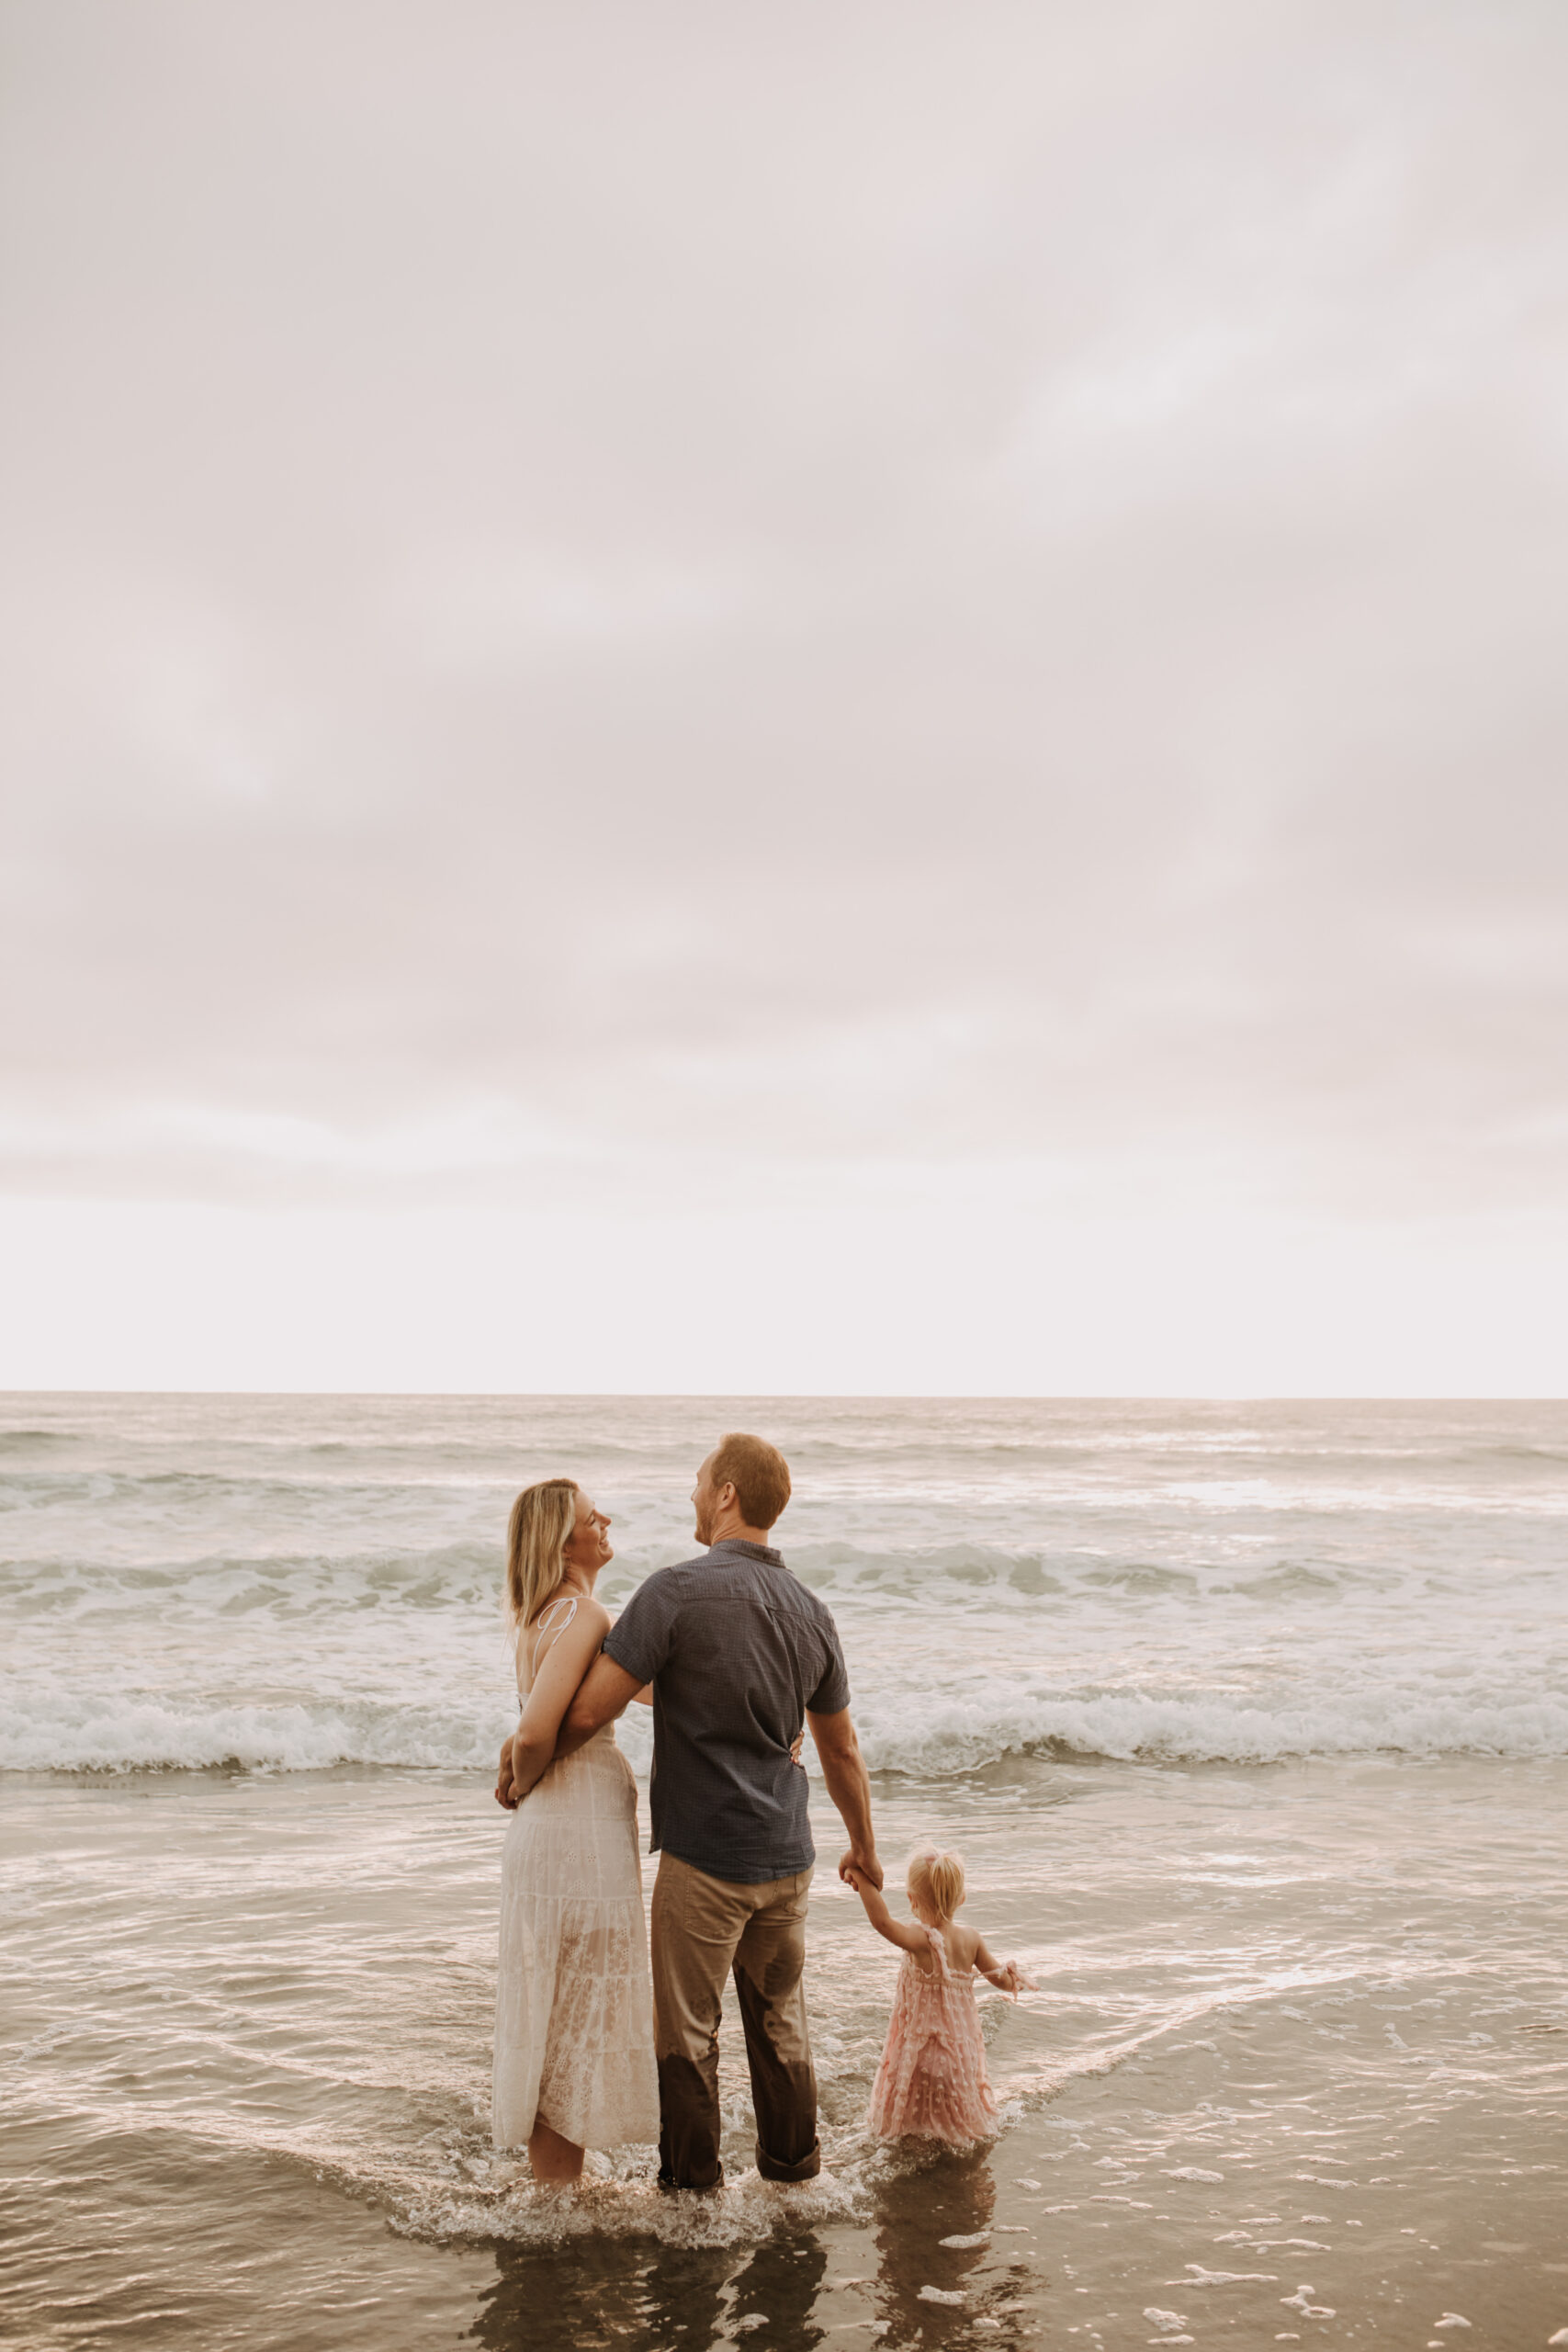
(931, 2084)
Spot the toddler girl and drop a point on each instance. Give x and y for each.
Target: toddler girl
(931, 2083)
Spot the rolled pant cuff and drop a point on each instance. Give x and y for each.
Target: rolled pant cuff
(808, 2167)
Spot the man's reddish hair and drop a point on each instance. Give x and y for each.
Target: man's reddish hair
(759, 1474)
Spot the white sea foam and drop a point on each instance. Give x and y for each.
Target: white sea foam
(126, 1733)
(51, 1731)
(1129, 1723)
(745, 2211)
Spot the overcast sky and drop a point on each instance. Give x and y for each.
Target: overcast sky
(843, 696)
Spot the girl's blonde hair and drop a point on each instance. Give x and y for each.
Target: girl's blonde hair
(938, 1879)
(536, 1536)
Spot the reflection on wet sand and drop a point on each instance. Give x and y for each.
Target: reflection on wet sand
(597, 2292)
(594, 2294)
(954, 2197)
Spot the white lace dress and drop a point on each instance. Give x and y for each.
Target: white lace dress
(574, 2009)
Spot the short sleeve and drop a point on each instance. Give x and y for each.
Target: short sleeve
(832, 1695)
(640, 1637)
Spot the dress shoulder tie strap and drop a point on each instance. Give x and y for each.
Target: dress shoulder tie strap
(549, 1624)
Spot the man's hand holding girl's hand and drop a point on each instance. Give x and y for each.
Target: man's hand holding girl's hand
(857, 1869)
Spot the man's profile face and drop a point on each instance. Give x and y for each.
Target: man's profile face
(705, 1502)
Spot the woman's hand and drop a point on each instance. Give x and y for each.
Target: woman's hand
(504, 1792)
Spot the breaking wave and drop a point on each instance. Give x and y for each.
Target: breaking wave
(46, 1730)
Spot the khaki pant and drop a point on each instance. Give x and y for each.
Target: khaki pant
(702, 1927)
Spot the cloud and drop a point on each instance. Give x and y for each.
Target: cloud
(917, 592)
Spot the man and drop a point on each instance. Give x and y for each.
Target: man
(739, 1655)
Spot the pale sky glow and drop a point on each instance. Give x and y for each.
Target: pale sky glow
(853, 698)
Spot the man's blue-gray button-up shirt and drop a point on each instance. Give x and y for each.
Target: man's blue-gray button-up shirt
(737, 1650)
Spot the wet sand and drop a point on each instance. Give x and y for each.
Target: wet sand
(1298, 2071)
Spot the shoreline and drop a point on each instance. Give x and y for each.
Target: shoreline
(1271, 2084)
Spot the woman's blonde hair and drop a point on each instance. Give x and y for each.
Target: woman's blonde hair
(536, 1536)
(937, 1878)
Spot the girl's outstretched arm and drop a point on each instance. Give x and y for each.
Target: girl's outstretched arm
(901, 1932)
(1005, 1974)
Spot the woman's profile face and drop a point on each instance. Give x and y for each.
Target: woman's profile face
(588, 1546)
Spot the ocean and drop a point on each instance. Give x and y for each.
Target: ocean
(1249, 1721)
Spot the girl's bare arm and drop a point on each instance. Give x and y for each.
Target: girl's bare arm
(1005, 1974)
(901, 1932)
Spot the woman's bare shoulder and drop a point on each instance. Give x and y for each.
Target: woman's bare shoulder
(576, 1610)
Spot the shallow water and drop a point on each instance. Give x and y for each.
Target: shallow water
(1297, 2067)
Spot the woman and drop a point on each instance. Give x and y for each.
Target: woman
(573, 2015)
